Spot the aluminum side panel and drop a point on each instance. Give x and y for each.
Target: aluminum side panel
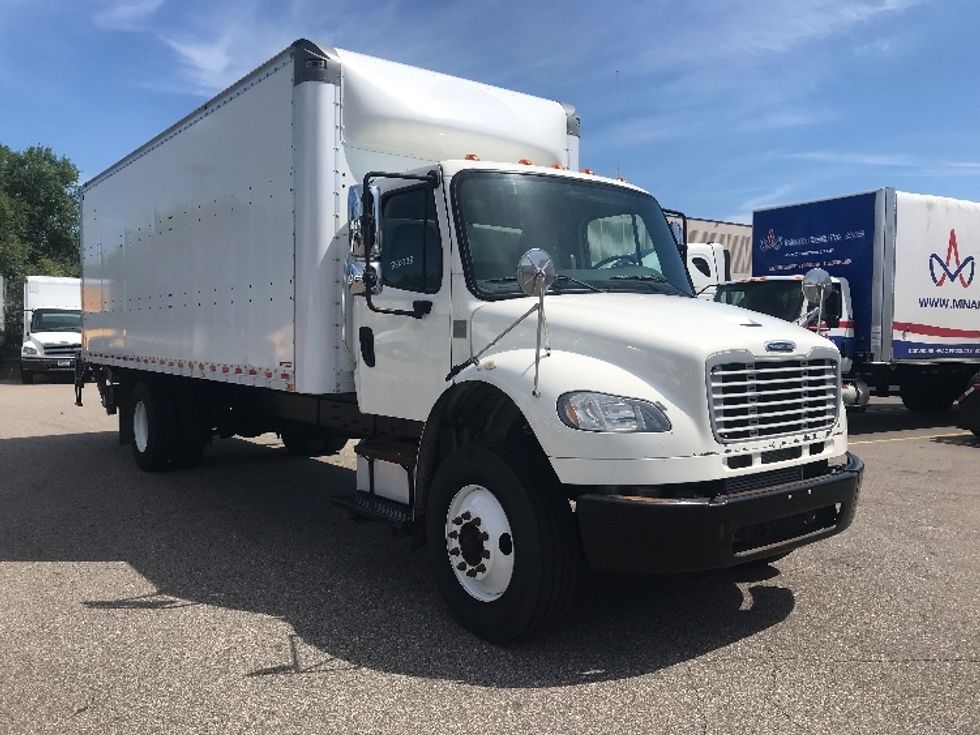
(188, 247)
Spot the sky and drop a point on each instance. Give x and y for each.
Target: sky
(716, 107)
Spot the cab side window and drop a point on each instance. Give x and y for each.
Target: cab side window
(411, 248)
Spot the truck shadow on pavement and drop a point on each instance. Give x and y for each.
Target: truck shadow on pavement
(884, 418)
(252, 529)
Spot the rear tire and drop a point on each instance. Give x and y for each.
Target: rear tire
(154, 427)
(924, 395)
(308, 441)
(26, 377)
(194, 430)
(520, 556)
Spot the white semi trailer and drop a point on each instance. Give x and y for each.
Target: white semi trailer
(325, 250)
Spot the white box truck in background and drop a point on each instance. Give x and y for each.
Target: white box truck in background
(904, 309)
(319, 251)
(52, 326)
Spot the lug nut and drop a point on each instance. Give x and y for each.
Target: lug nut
(486, 553)
(484, 536)
(479, 569)
(454, 534)
(457, 521)
(466, 515)
(476, 521)
(461, 566)
(471, 573)
(454, 552)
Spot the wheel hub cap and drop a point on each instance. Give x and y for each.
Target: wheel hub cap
(479, 543)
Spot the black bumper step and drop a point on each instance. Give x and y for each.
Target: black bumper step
(374, 507)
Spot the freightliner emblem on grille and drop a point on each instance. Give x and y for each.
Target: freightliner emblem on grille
(780, 346)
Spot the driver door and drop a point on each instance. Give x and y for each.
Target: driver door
(402, 361)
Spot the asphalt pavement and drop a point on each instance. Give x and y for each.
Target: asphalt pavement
(234, 598)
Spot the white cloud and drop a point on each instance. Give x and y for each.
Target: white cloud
(778, 195)
(126, 15)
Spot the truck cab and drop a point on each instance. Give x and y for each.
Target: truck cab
(783, 298)
(648, 410)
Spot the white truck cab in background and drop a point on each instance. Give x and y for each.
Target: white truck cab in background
(52, 326)
(346, 265)
(709, 264)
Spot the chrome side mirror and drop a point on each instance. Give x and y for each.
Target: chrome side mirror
(364, 229)
(816, 283)
(535, 272)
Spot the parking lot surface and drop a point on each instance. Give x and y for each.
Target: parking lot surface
(234, 598)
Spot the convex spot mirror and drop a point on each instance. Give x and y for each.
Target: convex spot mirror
(364, 228)
(535, 272)
(815, 284)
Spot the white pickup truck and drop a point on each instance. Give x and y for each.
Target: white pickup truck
(330, 249)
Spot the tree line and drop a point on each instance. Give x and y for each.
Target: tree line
(39, 222)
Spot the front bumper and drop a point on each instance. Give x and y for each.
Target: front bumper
(641, 534)
(56, 364)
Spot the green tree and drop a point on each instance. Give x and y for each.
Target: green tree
(38, 220)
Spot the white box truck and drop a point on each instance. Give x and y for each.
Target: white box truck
(329, 250)
(52, 326)
(904, 309)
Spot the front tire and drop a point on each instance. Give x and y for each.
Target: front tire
(26, 377)
(502, 543)
(154, 427)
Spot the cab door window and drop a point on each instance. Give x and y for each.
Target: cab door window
(411, 248)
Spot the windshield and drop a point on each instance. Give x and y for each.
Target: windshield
(56, 320)
(601, 237)
(781, 299)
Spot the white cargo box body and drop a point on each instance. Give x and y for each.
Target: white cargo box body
(211, 251)
(50, 292)
(937, 291)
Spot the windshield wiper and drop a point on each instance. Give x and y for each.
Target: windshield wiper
(563, 277)
(640, 277)
(559, 277)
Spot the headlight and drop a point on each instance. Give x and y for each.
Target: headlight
(603, 412)
(28, 350)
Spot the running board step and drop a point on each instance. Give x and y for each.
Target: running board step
(374, 507)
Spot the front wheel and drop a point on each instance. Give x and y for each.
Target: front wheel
(26, 377)
(502, 544)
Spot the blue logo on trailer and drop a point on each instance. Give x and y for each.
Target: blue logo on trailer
(835, 234)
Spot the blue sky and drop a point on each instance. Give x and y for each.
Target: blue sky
(716, 107)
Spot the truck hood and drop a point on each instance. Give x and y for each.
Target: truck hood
(57, 339)
(665, 340)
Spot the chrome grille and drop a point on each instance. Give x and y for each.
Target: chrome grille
(770, 398)
(61, 350)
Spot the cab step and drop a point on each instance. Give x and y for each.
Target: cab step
(374, 507)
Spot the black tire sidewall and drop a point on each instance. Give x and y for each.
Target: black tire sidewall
(517, 612)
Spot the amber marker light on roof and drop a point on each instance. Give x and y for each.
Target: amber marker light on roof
(587, 171)
(525, 161)
(471, 157)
